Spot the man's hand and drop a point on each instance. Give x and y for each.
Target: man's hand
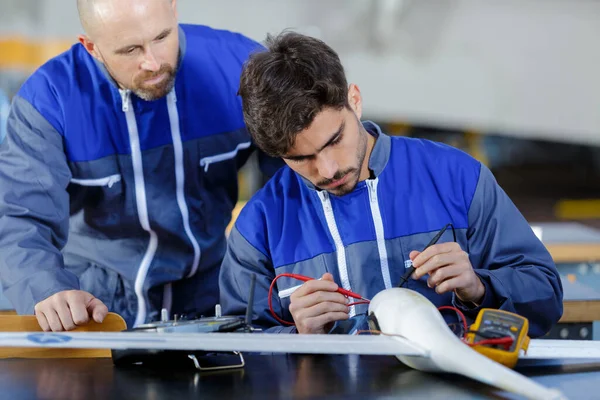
(68, 309)
(316, 305)
(449, 269)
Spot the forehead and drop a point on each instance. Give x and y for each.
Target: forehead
(320, 131)
(120, 23)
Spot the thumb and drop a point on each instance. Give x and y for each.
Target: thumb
(327, 277)
(97, 309)
(413, 254)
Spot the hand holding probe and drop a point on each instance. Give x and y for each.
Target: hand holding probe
(411, 269)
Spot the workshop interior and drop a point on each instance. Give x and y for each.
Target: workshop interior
(513, 83)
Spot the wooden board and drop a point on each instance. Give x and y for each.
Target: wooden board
(28, 323)
(581, 311)
(574, 253)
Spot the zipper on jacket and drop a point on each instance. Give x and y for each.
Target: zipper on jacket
(379, 233)
(206, 161)
(108, 181)
(180, 178)
(340, 250)
(142, 205)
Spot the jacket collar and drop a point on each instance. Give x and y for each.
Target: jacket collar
(381, 151)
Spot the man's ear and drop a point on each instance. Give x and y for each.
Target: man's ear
(90, 47)
(355, 100)
(174, 6)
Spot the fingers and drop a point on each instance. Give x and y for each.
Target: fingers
(441, 260)
(435, 250)
(53, 320)
(327, 277)
(441, 274)
(457, 279)
(53, 314)
(79, 312)
(97, 309)
(68, 309)
(319, 309)
(316, 304)
(315, 318)
(433, 263)
(450, 284)
(448, 267)
(64, 314)
(315, 285)
(413, 254)
(41, 318)
(301, 302)
(317, 324)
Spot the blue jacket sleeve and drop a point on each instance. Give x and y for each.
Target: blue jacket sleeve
(242, 260)
(516, 269)
(34, 209)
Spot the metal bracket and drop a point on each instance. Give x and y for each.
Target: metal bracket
(221, 367)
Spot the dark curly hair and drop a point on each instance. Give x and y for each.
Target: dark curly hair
(284, 88)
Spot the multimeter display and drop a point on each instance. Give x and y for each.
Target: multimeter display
(498, 325)
(493, 326)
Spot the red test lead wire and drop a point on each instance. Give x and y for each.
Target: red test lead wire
(303, 278)
(339, 290)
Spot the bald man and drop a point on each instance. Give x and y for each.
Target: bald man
(118, 173)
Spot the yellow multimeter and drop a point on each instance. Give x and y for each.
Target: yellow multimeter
(496, 324)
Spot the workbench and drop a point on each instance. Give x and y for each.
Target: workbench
(276, 376)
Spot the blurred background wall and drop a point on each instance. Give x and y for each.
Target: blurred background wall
(513, 82)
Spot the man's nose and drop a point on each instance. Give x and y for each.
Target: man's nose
(150, 62)
(327, 167)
